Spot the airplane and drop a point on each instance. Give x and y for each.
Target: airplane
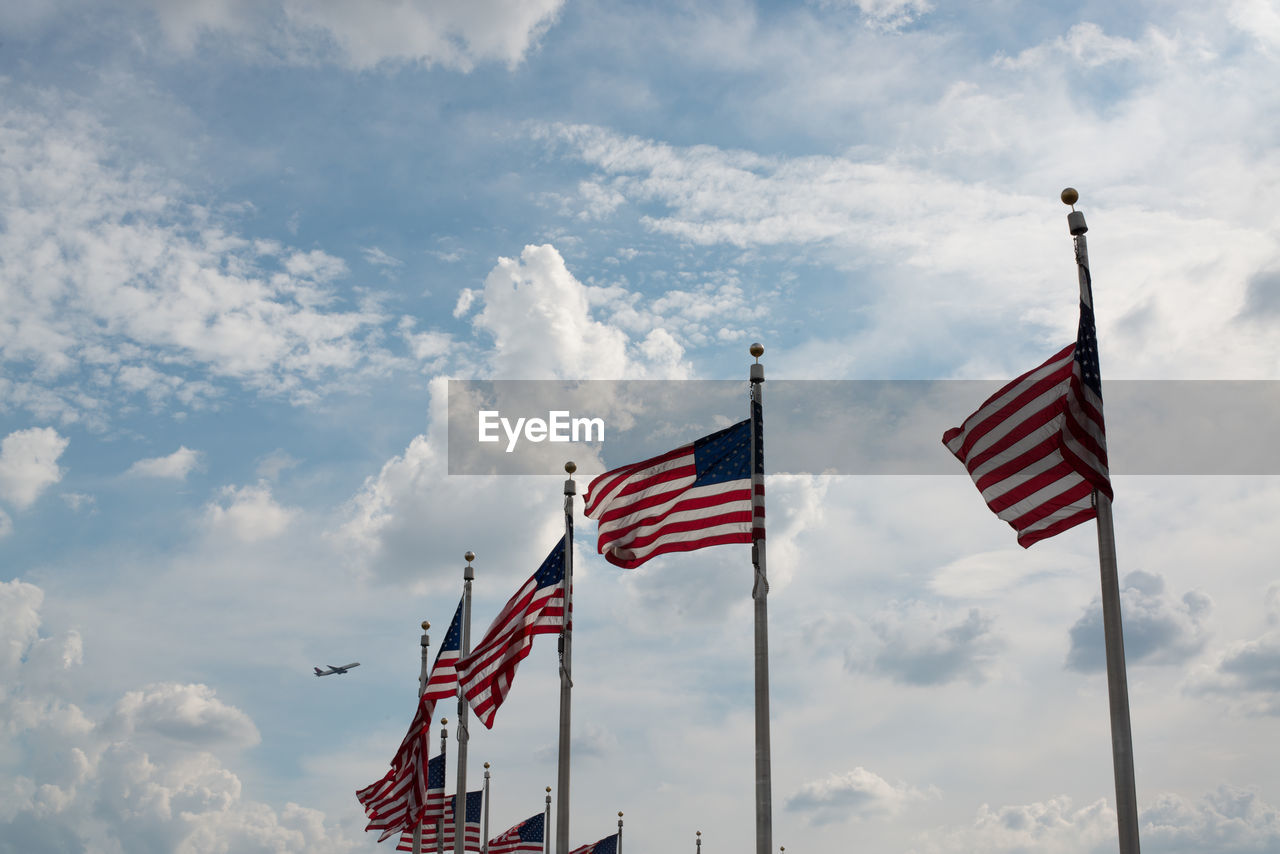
(332, 670)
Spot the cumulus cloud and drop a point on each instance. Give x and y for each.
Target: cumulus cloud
(452, 34)
(29, 464)
(853, 795)
(1048, 827)
(1229, 820)
(1157, 628)
(146, 777)
(113, 279)
(920, 644)
(249, 513)
(175, 466)
(187, 713)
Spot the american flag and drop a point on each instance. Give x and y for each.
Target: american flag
(698, 495)
(443, 683)
(470, 832)
(527, 837)
(1037, 448)
(537, 608)
(608, 845)
(406, 793)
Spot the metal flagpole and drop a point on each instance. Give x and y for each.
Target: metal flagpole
(444, 737)
(566, 670)
(464, 712)
(546, 825)
(423, 675)
(619, 847)
(484, 831)
(760, 593)
(1113, 633)
(697, 849)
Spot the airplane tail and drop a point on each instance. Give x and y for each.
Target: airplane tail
(318, 672)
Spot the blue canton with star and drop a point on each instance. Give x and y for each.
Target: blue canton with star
(724, 455)
(552, 570)
(1087, 351)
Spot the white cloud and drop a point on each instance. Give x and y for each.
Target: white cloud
(379, 258)
(1048, 827)
(1088, 45)
(175, 466)
(1157, 629)
(146, 777)
(450, 33)
(186, 713)
(29, 464)
(852, 795)
(250, 513)
(108, 270)
(886, 14)
(919, 644)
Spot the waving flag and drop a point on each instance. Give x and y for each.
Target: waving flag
(608, 845)
(527, 837)
(1037, 448)
(471, 829)
(698, 495)
(537, 608)
(443, 683)
(413, 790)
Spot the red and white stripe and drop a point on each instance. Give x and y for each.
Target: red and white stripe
(1036, 449)
(470, 834)
(486, 674)
(652, 507)
(392, 802)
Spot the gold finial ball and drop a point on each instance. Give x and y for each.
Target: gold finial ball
(1070, 196)
(619, 813)
(469, 556)
(486, 765)
(699, 832)
(425, 625)
(548, 790)
(757, 350)
(444, 722)
(571, 467)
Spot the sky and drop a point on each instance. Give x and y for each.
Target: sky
(244, 246)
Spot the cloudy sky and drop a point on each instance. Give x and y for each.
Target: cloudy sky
(243, 246)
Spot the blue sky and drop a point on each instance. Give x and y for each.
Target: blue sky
(244, 245)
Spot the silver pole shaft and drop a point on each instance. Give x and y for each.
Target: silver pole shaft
(444, 738)
(423, 675)
(760, 593)
(546, 825)
(1117, 681)
(566, 677)
(619, 851)
(464, 715)
(484, 830)
(1113, 631)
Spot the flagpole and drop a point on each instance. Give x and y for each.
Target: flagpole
(484, 833)
(444, 737)
(464, 716)
(566, 670)
(697, 849)
(619, 848)
(423, 675)
(760, 593)
(546, 825)
(1113, 633)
